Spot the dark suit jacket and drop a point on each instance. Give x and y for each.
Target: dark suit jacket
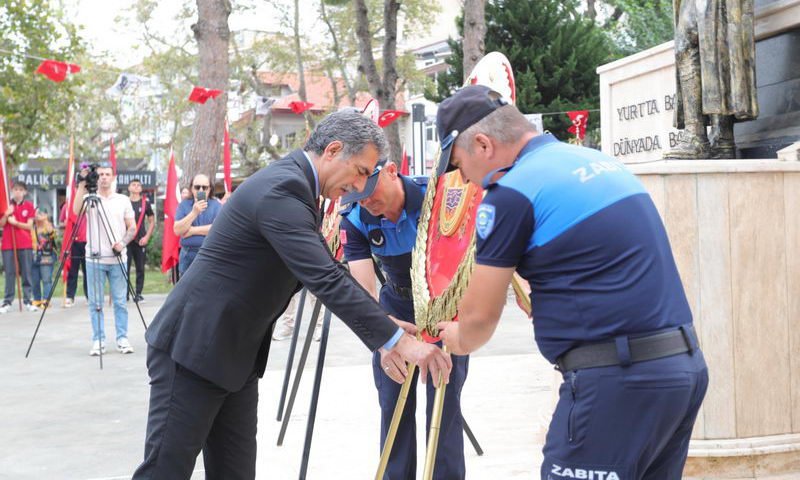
(217, 320)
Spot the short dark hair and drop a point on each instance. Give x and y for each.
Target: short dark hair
(135, 180)
(19, 183)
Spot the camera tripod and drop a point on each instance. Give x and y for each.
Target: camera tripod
(93, 212)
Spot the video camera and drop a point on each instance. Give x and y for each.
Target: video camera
(91, 177)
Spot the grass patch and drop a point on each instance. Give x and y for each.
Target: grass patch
(154, 282)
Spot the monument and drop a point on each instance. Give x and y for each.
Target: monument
(734, 230)
(715, 60)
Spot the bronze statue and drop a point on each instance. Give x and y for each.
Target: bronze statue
(716, 85)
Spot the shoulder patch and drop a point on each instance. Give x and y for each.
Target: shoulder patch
(484, 220)
(376, 238)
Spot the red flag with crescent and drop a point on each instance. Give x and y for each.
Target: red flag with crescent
(57, 71)
(579, 119)
(389, 116)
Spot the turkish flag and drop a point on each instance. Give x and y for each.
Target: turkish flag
(404, 163)
(300, 107)
(4, 200)
(112, 157)
(170, 242)
(201, 95)
(389, 116)
(226, 158)
(57, 71)
(579, 120)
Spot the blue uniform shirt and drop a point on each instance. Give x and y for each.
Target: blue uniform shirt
(206, 217)
(585, 234)
(365, 235)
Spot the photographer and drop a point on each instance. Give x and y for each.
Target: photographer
(193, 219)
(115, 220)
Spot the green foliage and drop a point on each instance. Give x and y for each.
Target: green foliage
(553, 51)
(34, 109)
(642, 24)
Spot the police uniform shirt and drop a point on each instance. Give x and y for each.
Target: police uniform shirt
(585, 234)
(363, 235)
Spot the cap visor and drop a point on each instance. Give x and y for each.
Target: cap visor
(369, 187)
(444, 166)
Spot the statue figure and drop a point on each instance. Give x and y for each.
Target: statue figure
(716, 85)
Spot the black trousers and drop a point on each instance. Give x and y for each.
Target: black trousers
(78, 262)
(137, 255)
(189, 414)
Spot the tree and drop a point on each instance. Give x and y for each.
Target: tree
(636, 25)
(474, 32)
(33, 109)
(213, 35)
(554, 52)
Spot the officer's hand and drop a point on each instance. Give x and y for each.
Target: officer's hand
(199, 206)
(429, 358)
(448, 332)
(409, 327)
(393, 365)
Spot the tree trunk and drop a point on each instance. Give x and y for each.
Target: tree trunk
(383, 90)
(212, 35)
(474, 33)
(591, 10)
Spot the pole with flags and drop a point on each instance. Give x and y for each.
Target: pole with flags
(112, 157)
(170, 241)
(69, 217)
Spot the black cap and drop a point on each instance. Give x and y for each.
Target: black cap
(459, 112)
(369, 187)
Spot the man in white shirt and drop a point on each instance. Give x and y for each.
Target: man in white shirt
(109, 230)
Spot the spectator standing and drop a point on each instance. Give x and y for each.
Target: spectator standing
(44, 257)
(193, 219)
(17, 223)
(137, 252)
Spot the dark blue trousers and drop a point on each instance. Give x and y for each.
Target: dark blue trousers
(626, 423)
(403, 459)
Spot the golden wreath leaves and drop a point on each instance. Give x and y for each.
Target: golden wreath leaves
(430, 311)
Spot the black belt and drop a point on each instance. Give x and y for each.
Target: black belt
(625, 350)
(404, 292)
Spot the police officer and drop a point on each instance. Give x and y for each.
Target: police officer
(608, 305)
(384, 223)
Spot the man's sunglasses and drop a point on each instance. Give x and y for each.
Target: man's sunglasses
(201, 187)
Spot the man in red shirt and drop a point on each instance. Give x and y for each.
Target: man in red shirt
(17, 223)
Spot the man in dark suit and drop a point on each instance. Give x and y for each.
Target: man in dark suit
(208, 344)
